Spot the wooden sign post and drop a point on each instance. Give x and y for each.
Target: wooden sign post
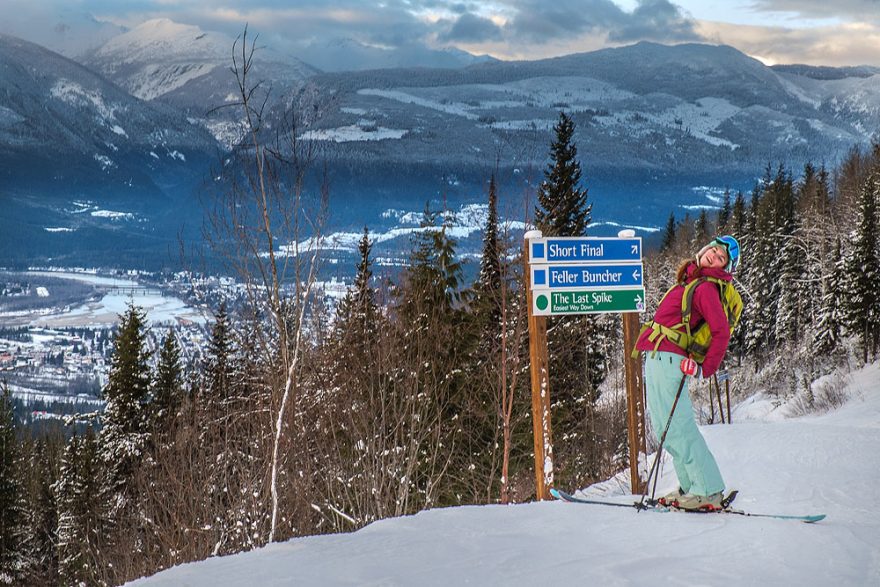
(540, 378)
(582, 275)
(635, 404)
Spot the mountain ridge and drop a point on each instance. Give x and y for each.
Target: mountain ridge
(656, 125)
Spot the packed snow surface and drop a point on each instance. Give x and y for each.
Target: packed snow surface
(797, 465)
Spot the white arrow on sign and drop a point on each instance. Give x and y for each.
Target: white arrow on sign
(636, 275)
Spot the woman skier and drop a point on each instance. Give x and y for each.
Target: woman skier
(667, 343)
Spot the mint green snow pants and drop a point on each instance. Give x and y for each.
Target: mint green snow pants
(695, 466)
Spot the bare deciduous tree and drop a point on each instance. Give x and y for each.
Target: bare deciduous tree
(258, 221)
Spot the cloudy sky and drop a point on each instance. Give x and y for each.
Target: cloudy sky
(820, 32)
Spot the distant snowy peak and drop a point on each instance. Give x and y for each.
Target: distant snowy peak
(68, 126)
(162, 39)
(162, 57)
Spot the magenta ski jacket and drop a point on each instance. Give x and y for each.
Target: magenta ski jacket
(706, 307)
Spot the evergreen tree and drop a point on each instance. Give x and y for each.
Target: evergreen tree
(429, 316)
(13, 512)
(44, 513)
(491, 318)
(738, 216)
(702, 230)
(863, 270)
(433, 269)
(80, 518)
(772, 223)
(489, 284)
(668, 234)
(358, 312)
(219, 367)
(562, 204)
(218, 434)
(827, 336)
(792, 310)
(168, 387)
(124, 431)
(724, 213)
(685, 231)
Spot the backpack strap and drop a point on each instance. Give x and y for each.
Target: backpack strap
(687, 305)
(661, 332)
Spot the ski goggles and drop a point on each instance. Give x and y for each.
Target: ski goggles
(731, 247)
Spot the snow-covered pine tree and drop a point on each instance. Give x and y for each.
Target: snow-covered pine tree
(43, 511)
(13, 504)
(168, 385)
(486, 440)
(792, 315)
(668, 234)
(124, 443)
(488, 286)
(816, 233)
(124, 430)
(738, 216)
(81, 523)
(724, 213)
(433, 345)
(219, 363)
(222, 465)
(357, 312)
(771, 224)
(737, 226)
(863, 270)
(830, 319)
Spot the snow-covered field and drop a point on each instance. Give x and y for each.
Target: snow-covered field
(160, 308)
(106, 311)
(826, 463)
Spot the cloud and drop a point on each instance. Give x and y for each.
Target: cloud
(538, 21)
(843, 32)
(850, 10)
(656, 20)
(834, 45)
(471, 28)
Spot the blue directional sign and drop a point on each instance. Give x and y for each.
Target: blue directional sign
(587, 276)
(584, 250)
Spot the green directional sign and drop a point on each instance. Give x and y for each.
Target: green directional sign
(587, 301)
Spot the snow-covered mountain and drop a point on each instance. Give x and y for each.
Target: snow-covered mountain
(780, 464)
(72, 141)
(659, 127)
(189, 69)
(64, 125)
(679, 109)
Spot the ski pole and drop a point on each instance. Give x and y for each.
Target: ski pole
(727, 392)
(655, 466)
(720, 406)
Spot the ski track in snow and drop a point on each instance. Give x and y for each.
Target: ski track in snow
(815, 464)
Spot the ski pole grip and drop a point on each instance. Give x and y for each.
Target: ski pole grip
(689, 366)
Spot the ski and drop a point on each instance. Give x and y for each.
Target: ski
(809, 519)
(563, 496)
